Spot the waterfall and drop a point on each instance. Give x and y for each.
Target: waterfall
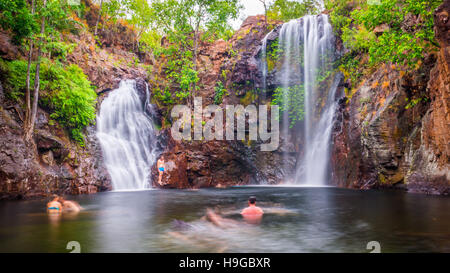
(307, 57)
(127, 137)
(264, 68)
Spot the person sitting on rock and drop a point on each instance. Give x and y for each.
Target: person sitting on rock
(252, 214)
(54, 206)
(160, 165)
(71, 206)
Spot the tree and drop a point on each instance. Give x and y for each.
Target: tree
(27, 92)
(23, 20)
(265, 4)
(142, 17)
(29, 124)
(286, 10)
(185, 22)
(98, 17)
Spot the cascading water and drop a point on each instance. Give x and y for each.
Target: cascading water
(127, 137)
(264, 68)
(307, 52)
(318, 48)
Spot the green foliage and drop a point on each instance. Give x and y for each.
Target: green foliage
(16, 16)
(396, 43)
(396, 47)
(286, 10)
(383, 12)
(66, 92)
(273, 53)
(414, 102)
(183, 23)
(220, 91)
(291, 102)
(14, 76)
(339, 13)
(71, 97)
(358, 39)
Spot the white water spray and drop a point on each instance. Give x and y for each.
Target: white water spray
(307, 50)
(127, 137)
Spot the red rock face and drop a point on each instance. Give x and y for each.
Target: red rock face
(381, 142)
(436, 134)
(200, 164)
(49, 164)
(8, 51)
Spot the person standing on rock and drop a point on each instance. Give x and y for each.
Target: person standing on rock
(160, 165)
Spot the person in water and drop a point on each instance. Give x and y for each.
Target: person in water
(252, 214)
(54, 206)
(160, 165)
(71, 206)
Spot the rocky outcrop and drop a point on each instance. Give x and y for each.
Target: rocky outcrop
(105, 68)
(200, 164)
(51, 163)
(8, 50)
(394, 130)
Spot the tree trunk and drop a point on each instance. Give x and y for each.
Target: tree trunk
(265, 10)
(28, 93)
(194, 61)
(98, 18)
(30, 130)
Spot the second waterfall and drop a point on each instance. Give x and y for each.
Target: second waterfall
(303, 72)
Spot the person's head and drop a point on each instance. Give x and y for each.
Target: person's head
(252, 201)
(162, 157)
(55, 197)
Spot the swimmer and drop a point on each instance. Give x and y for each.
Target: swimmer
(219, 221)
(71, 206)
(54, 206)
(252, 214)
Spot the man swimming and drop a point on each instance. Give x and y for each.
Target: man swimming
(252, 214)
(160, 165)
(70, 205)
(54, 206)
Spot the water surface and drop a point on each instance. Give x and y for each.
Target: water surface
(296, 220)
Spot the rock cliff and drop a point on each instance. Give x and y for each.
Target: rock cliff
(394, 130)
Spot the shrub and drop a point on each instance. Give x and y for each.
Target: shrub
(291, 102)
(71, 97)
(220, 91)
(65, 90)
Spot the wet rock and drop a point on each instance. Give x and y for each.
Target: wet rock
(381, 141)
(50, 163)
(175, 172)
(200, 164)
(2, 94)
(106, 67)
(8, 51)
